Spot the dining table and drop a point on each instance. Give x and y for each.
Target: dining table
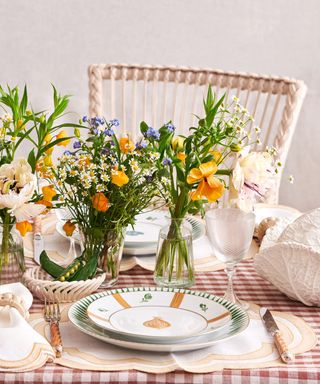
(250, 287)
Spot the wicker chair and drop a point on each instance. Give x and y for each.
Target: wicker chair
(157, 94)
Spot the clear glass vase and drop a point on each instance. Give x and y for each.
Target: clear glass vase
(174, 260)
(107, 246)
(12, 264)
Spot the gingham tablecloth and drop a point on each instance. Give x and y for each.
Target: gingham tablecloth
(250, 287)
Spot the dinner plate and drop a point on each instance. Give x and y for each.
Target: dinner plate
(262, 211)
(238, 323)
(158, 314)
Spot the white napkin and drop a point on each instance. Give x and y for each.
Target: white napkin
(21, 347)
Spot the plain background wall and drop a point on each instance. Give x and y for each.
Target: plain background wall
(43, 41)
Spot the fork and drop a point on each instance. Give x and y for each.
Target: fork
(52, 315)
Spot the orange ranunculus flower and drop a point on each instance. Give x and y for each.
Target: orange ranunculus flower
(119, 178)
(209, 186)
(100, 202)
(69, 228)
(23, 227)
(62, 134)
(48, 192)
(181, 156)
(126, 145)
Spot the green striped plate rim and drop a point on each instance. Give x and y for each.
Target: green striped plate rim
(238, 323)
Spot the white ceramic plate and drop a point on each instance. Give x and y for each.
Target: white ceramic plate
(158, 315)
(238, 323)
(262, 211)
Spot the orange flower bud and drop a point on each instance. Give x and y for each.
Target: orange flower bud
(126, 145)
(69, 228)
(48, 192)
(181, 156)
(119, 178)
(47, 161)
(100, 202)
(47, 140)
(23, 227)
(62, 134)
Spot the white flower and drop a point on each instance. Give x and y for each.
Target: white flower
(17, 186)
(105, 177)
(253, 170)
(100, 188)
(291, 179)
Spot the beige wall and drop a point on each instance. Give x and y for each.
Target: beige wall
(44, 41)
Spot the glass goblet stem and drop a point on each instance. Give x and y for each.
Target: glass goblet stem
(229, 294)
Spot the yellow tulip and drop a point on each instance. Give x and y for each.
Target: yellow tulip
(177, 143)
(61, 135)
(119, 178)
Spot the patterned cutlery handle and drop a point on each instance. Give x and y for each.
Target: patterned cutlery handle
(56, 341)
(286, 356)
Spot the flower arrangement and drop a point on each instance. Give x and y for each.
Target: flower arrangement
(192, 170)
(17, 187)
(19, 190)
(104, 182)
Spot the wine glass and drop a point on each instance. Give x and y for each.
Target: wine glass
(230, 232)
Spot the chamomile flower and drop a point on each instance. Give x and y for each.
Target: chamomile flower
(104, 177)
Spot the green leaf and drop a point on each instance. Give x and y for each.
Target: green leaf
(143, 127)
(24, 101)
(32, 160)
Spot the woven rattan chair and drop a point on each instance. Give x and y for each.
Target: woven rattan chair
(157, 94)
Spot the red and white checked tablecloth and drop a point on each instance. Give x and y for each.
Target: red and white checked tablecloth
(250, 287)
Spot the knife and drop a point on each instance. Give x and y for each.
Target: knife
(38, 242)
(272, 328)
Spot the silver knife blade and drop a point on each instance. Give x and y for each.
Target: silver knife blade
(269, 321)
(38, 246)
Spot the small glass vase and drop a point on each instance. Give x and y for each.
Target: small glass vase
(12, 264)
(174, 259)
(107, 246)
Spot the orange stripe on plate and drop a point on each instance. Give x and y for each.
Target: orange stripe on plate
(121, 300)
(219, 317)
(176, 300)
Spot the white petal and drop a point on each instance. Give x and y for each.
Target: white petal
(28, 211)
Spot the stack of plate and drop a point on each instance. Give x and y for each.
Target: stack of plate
(143, 238)
(158, 319)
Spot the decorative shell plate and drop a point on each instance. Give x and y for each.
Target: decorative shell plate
(292, 268)
(304, 230)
